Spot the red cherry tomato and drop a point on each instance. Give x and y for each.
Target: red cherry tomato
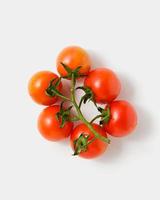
(49, 126)
(37, 86)
(73, 57)
(97, 147)
(104, 84)
(123, 119)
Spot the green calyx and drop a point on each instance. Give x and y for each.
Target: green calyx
(81, 144)
(64, 115)
(52, 88)
(105, 115)
(70, 72)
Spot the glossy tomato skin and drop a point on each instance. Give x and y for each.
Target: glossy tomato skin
(37, 86)
(104, 83)
(73, 57)
(49, 126)
(96, 148)
(123, 119)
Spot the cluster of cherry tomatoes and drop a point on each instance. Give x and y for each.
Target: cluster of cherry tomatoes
(101, 86)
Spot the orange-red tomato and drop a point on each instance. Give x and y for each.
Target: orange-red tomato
(123, 119)
(97, 147)
(104, 84)
(49, 125)
(73, 57)
(38, 83)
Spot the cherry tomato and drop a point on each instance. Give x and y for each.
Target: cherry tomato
(94, 149)
(73, 57)
(123, 119)
(49, 125)
(104, 84)
(38, 83)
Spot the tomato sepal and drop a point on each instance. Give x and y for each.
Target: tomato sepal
(81, 144)
(52, 88)
(64, 115)
(105, 115)
(71, 72)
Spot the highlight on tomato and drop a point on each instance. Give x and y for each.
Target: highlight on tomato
(38, 84)
(84, 143)
(73, 57)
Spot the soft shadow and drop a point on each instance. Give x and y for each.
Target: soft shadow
(97, 60)
(64, 142)
(144, 126)
(127, 89)
(113, 152)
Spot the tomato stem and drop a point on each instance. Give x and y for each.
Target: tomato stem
(74, 119)
(63, 97)
(92, 140)
(80, 115)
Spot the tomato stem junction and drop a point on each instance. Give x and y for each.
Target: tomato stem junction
(52, 91)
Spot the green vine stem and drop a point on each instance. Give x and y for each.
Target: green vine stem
(62, 96)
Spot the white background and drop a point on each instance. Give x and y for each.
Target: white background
(123, 35)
